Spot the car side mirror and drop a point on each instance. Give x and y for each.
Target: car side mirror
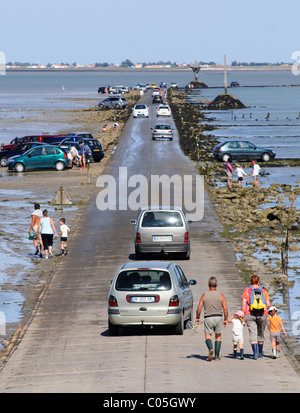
(29, 155)
(133, 221)
(192, 282)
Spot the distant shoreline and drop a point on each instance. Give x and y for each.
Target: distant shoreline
(137, 70)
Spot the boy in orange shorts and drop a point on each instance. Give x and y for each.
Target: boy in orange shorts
(275, 325)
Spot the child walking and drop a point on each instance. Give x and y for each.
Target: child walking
(238, 323)
(275, 325)
(64, 231)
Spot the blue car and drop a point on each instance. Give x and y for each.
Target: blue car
(17, 150)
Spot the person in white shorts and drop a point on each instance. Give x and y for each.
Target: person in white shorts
(238, 323)
(255, 172)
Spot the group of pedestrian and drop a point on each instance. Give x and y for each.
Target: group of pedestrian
(79, 157)
(241, 174)
(255, 313)
(43, 230)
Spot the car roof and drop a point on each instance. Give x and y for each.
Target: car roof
(162, 265)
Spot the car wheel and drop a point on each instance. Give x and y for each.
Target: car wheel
(3, 161)
(59, 166)
(19, 167)
(101, 106)
(265, 157)
(179, 328)
(112, 329)
(226, 157)
(117, 106)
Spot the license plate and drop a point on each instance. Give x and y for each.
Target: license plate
(142, 299)
(97, 150)
(162, 238)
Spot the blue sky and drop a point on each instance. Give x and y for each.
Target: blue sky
(111, 31)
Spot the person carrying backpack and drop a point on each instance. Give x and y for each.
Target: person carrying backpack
(255, 304)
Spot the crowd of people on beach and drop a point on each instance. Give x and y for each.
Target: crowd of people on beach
(256, 311)
(256, 170)
(42, 231)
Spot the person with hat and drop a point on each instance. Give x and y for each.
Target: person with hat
(238, 323)
(275, 325)
(255, 172)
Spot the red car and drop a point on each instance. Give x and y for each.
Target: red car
(34, 138)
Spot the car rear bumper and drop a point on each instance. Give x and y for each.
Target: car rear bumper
(162, 248)
(170, 319)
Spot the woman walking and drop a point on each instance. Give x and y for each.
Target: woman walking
(48, 230)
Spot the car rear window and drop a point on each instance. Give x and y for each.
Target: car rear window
(161, 219)
(162, 127)
(140, 106)
(143, 280)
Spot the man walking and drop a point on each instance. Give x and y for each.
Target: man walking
(215, 316)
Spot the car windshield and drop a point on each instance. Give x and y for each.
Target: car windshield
(143, 280)
(162, 219)
(163, 127)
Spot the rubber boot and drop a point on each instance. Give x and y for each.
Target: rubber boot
(209, 345)
(255, 350)
(217, 349)
(260, 350)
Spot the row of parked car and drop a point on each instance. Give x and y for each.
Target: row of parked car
(48, 151)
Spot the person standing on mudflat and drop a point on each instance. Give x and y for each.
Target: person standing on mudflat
(215, 317)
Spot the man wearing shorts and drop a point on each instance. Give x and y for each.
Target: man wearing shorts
(215, 317)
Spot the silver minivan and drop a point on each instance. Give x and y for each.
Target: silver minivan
(162, 230)
(150, 293)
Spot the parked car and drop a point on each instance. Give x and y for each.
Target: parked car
(162, 130)
(44, 156)
(163, 110)
(35, 138)
(161, 230)
(163, 84)
(157, 99)
(116, 102)
(174, 85)
(141, 110)
(17, 150)
(103, 89)
(150, 293)
(241, 150)
(234, 84)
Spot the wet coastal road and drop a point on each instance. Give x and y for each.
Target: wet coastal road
(66, 347)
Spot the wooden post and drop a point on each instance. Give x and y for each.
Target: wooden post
(225, 74)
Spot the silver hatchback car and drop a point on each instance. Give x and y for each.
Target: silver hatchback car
(149, 293)
(162, 130)
(162, 230)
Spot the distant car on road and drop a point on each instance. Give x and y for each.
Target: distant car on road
(113, 102)
(241, 150)
(140, 110)
(17, 150)
(163, 110)
(150, 293)
(44, 156)
(174, 85)
(157, 99)
(162, 130)
(161, 230)
(234, 84)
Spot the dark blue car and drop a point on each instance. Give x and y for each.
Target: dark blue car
(17, 150)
